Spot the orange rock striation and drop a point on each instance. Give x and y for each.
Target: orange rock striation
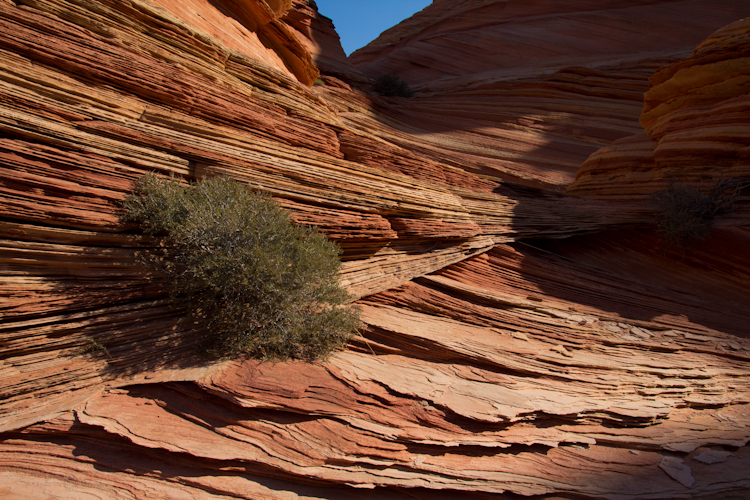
(516, 340)
(696, 125)
(478, 40)
(528, 90)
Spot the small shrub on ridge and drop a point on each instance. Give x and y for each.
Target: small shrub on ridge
(391, 86)
(685, 214)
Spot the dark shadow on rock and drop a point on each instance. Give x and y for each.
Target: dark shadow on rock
(632, 273)
(132, 326)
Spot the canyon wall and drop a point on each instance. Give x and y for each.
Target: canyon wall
(695, 122)
(526, 330)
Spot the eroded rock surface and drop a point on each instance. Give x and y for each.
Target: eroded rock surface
(501, 39)
(695, 121)
(517, 341)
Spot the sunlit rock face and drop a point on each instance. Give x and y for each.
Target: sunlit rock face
(528, 90)
(507, 39)
(695, 121)
(518, 341)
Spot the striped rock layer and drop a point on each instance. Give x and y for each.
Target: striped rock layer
(695, 125)
(519, 341)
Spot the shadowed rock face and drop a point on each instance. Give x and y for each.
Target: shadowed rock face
(517, 341)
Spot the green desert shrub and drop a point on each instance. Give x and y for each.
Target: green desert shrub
(685, 214)
(391, 86)
(260, 285)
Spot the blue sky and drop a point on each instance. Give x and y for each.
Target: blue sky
(358, 22)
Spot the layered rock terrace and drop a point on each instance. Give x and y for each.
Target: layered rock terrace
(526, 331)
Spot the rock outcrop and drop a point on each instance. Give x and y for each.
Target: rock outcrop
(527, 91)
(479, 40)
(695, 122)
(517, 340)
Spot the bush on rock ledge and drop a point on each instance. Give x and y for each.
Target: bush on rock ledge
(261, 285)
(392, 86)
(685, 214)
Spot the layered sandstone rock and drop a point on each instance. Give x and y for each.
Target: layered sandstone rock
(495, 358)
(318, 35)
(695, 121)
(474, 40)
(527, 91)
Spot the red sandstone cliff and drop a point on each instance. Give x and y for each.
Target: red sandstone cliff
(517, 340)
(695, 122)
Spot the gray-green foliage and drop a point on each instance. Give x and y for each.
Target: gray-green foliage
(261, 285)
